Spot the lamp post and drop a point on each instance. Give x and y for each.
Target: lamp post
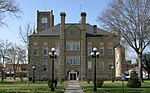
(52, 56)
(112, 68)
(33, 69)
(2, 74)
(95, 55)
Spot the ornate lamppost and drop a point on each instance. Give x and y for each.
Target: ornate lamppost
(95, 55)
(33, 71)
(52, 56)
(112, 68)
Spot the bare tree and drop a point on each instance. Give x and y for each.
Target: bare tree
(24, 34)
(129, 19)
(17, 55)
(8, 7)
(4, 47)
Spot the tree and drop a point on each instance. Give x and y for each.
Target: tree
(134, 80)
(130, 19)
(17, 55)
(8, 7)
(146, 62)
(4, 47)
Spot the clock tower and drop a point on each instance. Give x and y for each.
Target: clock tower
(45, 20)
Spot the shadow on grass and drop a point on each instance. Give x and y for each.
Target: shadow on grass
(5, 82)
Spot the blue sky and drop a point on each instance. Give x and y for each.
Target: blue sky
(73, 8)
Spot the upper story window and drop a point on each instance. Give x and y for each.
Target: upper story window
(110, 51)
(89, 64)
(73, 46)
(73, 60)
(35, 49)
(89, 50)
(44, 23)
(45, 50)
(101, 51)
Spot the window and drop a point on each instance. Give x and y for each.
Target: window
(67, 59)
(72, 46)
(44, 66)
(101, 66)
(101, 51)
(35, 49)
(73, 60)
(110, 51)
(67, 46)
(78, 46)
(109, 66)
(89, 50)
(45, 50)
(35, 52)
(89, 64)
(78, 60)
(44, 23)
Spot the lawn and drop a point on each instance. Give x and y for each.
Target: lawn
(116, 87)
(17, 86)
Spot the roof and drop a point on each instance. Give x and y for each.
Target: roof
(55, 31)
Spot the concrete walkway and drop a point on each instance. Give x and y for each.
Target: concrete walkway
(73, 87)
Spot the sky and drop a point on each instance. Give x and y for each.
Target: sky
(73, 8)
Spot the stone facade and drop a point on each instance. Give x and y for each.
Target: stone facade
(73, 43)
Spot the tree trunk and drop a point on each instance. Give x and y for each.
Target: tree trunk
(140, 67)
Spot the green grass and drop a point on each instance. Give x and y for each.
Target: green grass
(116, 87)
(29, 87)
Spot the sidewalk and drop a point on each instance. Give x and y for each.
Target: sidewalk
(73, 87)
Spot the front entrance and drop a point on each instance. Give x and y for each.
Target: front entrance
(72, 75)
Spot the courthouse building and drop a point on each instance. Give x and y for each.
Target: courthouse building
(73, 43)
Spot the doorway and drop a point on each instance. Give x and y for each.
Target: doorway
(72, 75)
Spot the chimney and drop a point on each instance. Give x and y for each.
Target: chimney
(94, 29)
(62, 23)
(83, 21)
(51, 19)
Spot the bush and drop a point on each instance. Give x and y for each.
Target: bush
(30, 78)
(49, 82)
(62, 80)
(89, 80)
(99, 83)
(134, 82)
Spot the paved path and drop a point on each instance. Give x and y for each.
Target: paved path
(73, 87)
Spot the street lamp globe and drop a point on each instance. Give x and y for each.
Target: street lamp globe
(55, 53)
(92, 53)
(97, 53)
(112, 67)
(53, 49)
(33, 67)
(94, 49)
(50, 53)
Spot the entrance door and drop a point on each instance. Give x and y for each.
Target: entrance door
(72, 75)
